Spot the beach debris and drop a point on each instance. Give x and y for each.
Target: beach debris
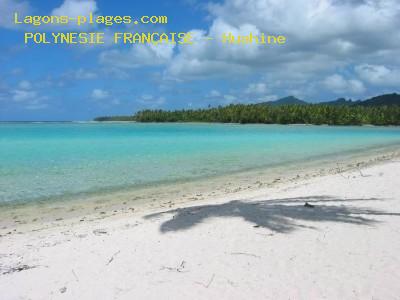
(112, 257)
(340, 171)
(63, 290)
(76, 277)
(100, 231)
(209, 282)
(359, 165)
(178, 269)
(246, 254)
(308, 205)
(130, 225)
(263, 234)
(9, 270)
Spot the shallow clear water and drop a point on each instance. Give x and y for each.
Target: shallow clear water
(40, 161)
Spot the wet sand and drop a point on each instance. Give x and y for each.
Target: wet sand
(223, 240)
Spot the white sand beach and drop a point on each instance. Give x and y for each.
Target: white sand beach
(263, 244)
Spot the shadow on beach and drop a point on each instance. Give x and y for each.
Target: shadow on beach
(279, 215)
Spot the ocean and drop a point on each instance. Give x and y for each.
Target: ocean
(45, 161)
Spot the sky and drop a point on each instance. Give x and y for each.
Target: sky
(334, 48)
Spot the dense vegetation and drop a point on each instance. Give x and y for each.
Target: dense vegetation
(269, 114)
(115, 118)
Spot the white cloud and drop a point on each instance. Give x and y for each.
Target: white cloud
(138, 55)
(8, 8)
(255, 92)
(150, 100)
(379, 75)
(104, 98)
(230, 98)
(23, 95)
(356, 86)
(25, 85)
(194, 68)
(115, 73)
(267, 98)
(214, 94)
(36, 104)
(323, 38)
(338, 84)
(16, 71)
(147, 97)
(100, 94)
(75, 8)
(317, 21)
(82, 74)
(256, 88)
(70, 8)
(28, 98)
(322, 35)
(115, 101)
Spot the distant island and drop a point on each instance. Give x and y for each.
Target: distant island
(380, 110)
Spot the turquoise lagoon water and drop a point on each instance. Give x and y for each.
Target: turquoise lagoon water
(46, 161)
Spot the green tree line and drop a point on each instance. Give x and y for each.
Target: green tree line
(266, 114)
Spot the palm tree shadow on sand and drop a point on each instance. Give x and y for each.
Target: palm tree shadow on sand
(279, 215)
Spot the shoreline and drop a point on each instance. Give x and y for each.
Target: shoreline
(310, 163)
(20, 217)
(193, 122)
(263, 243)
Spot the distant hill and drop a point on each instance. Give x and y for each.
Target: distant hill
(382, 100)
(388, 99)
(340, 101)
(284, 101)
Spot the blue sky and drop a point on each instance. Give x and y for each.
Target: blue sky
(335, 48)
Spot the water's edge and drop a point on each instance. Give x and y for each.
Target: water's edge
(238, 185)
(283, 167)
